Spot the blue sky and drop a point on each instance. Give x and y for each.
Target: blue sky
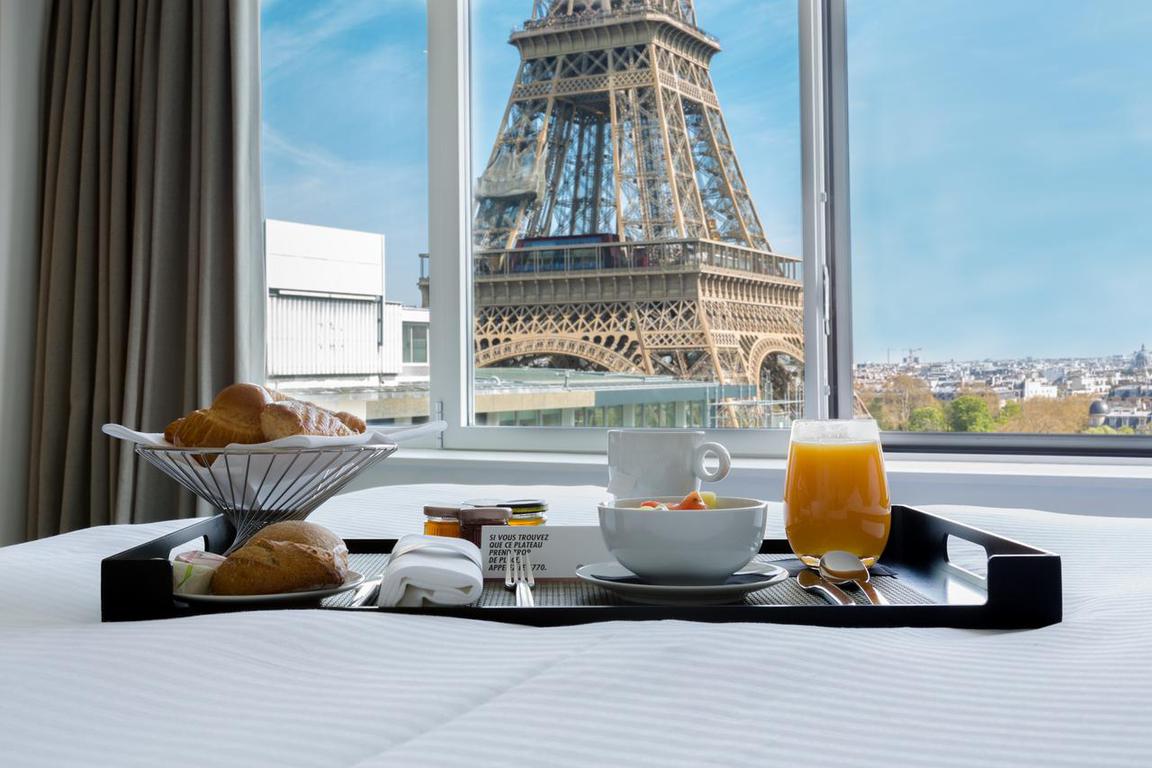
(1001, 153)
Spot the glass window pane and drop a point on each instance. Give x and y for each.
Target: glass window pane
(1000, 166)
(345, 192)
(637, 219)
(415, 343)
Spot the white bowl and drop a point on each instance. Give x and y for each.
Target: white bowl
(684, 546)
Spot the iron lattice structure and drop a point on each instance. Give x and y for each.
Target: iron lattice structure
(614, 229)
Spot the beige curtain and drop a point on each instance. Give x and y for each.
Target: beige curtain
(151, 271)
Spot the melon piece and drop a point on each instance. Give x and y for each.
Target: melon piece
(691, 501)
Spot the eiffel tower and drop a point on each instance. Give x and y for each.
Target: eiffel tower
(614, 230)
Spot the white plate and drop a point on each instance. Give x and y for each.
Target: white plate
(351, 582)
(619, 580)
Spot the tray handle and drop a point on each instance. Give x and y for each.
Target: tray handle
(1024, 585)
(136, 584)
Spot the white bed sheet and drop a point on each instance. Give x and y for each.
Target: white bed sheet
(309, 688)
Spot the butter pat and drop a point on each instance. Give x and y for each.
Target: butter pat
(192, 572)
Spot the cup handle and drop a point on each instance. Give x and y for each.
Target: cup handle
(721, 454)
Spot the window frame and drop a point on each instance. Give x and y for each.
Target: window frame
(826, 268)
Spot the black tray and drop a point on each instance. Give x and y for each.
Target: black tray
(1022, 588)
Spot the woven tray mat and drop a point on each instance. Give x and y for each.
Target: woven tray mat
(574, 592)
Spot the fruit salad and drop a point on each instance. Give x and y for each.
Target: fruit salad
(694, 500)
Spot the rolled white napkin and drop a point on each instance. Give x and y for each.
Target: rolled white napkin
(431, 570)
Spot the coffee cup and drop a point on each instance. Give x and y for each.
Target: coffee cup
(644, 462)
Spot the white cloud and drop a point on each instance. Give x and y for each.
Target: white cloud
(314, 159)
(285, 45)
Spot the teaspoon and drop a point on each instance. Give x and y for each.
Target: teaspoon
(841, 567)
(812, 582)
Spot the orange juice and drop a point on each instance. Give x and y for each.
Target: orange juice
(836, 497)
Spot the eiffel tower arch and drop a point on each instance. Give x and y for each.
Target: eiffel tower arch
(613, 227)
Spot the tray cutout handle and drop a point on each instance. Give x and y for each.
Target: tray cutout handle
(967, 555)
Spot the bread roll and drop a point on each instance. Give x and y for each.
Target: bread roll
(271, 567)
(233, 417)
(301, 532)
(284, 557)
(294, 417)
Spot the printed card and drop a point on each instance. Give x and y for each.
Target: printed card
(555, 551)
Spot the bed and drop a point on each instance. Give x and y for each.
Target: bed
(315, 688)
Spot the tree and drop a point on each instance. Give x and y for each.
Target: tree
(1048, 416)
(929, 418)
(1010, 411)
(969, 413)
(1106, 430)
(900, 395)
(984, 392)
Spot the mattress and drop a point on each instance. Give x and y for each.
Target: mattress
(311, 688)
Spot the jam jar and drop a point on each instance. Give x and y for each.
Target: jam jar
(473, 520)
(442, 521)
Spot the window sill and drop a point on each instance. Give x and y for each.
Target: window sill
(1088, 486)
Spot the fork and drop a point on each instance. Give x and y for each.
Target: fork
(518, 576)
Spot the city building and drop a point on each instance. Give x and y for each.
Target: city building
(332, 337)
(1030, 388)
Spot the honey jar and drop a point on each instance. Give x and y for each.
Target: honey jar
(527, 511)
(442, 521)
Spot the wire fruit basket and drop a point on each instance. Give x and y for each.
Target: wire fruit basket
(255, 487)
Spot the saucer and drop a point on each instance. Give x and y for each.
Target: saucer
(351, 582)
(628, 586)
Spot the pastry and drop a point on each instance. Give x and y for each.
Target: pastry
(352, 421)
(295, 417)
(284, 557)
(237, 415)
(233, 417)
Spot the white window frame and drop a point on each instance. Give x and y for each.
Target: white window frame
(826, 258)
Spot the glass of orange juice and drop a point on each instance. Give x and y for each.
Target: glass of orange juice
(835, 490)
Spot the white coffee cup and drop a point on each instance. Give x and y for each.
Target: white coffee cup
(644, 462)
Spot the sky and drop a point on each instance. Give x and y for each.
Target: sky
(1001, 153)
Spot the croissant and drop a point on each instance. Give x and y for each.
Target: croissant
(295, 417)
(352, 421)
(233, 417)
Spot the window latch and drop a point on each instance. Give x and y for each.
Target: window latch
(827, 301)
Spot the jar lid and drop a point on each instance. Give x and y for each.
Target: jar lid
(436, 511)
(485, 515)
(526, 505)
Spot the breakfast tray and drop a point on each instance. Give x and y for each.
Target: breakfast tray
(943, 574)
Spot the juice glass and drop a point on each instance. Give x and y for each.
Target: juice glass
(835, 490)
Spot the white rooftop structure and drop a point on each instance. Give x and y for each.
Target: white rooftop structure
(315, 259)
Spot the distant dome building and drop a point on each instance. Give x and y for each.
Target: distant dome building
(1097, 412)
(1141, 361)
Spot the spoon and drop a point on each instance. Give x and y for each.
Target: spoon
(812, 582)
(841, 567)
